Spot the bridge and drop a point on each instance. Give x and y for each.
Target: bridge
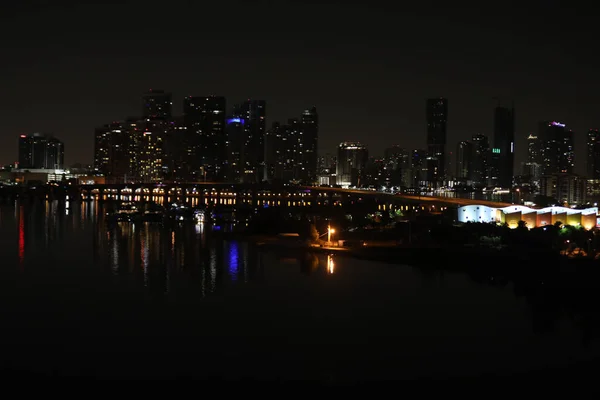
(438, 200)
(244, 195)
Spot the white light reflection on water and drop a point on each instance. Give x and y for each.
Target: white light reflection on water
(330, 264)
(213, 270)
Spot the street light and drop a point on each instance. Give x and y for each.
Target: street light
(329, 232)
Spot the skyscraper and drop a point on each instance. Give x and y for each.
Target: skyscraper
(309, 128)
(41, 151)
(205, 118)
(593, 154)
(156, 104)
(480, 162)
(254, 113)
(504, 143)
(464, 160)
(235, 148)
(558, 148)
(352, 160)
(437, 116)
(419, 167)
(534, 149)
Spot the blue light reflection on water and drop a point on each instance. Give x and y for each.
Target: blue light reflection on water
(378, 311)
(233, 261)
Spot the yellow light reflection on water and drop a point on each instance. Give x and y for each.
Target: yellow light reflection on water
(330, 264)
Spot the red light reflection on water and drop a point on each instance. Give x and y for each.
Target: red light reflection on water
(21, 236)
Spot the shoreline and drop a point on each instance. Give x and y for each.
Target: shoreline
(511, 264)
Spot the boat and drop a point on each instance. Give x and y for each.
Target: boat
(154, 213)
(127, 212)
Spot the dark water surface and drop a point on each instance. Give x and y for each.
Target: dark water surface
(78, 296)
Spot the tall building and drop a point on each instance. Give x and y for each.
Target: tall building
(464, 160)
(481, 160)
(534, 149)
(177, 161)
(115, 150)
(308, 151)
(205, 119)
(275, 151)
(532, 168)
(397, 166)
(419, 167)
(352, 159)
(149, 138)
(437, 117)
(41, 151)
(235, 148)
(254, 114)
(593, 154)
(504, 141)
(565, 188)
(558, 150)
(157, 104)
(132, 150)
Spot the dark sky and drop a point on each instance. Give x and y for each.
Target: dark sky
(367, 66)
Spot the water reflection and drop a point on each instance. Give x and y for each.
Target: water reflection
(191, 260)
(330, 264)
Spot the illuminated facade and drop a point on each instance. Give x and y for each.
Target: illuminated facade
(352, 160)
(504, 143)
(511, 215)
(437, 117)
(40, 150)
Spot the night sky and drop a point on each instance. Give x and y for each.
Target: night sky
(368, 67)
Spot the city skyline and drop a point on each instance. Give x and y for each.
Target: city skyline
(99, 75)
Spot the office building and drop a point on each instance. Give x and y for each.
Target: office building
(464, 160)
(157, 104)
(41, 151)
(437, 117)
(352, 159)
(481, 160)
(558, 149)
(254, 114)
(309, 142)
(504, 144)
(204, 117)
(564, 188)
(593, 154)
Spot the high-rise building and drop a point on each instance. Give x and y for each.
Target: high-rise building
(205, 119)
(41, 151)
(419, 167)
(437, 117)
(558, 150)
(115, 150)
(532, 168)
(464, 160)
(565, 188)
(397, 166)
(593, 154)
(504, 141)
(534, 149)
(352, 160)
(132, 150)
(308, 151)
(481, 160)
(176, 147)
(149, 138)
(235, 148)
(275, 151)
(157, 104)
(254, 113)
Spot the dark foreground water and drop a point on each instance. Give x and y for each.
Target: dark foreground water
(79, 297)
